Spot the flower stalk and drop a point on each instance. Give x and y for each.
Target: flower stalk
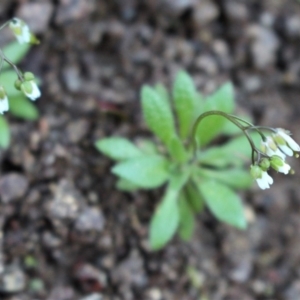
(272, 152)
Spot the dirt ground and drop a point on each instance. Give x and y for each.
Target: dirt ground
(66, 233)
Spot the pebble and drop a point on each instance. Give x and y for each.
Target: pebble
(37, 15)
(130, 271)
(76, 130)
(62, 293)
(90, 278)
(67, 201)
(90, 219)
(94, 296)
(205, 12)
(264, 46)
(13, 186)
(12, 280)
(73, 10)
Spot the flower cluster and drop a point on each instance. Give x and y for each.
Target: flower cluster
(27, 86)
(21, 31)
(274, 150)
(25, 82)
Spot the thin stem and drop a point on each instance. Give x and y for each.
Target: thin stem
(20, 75)
(4, 25)
(193, 140)
(235, 120)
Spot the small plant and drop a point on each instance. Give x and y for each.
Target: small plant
(196, 175)
(15, 86)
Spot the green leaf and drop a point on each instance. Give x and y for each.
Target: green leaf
(187, 219)
(23, 108)
(235, 178)
(194, 197)
(216, 157)
(165, 221)
(185, 102)
(144, 171)
(158, 115)
(177, 150)
(15, 52)
(224, 204)
(8, 79)
(147, 146)
(117, 148)
(234, 153)
(126, 186)
(4, 133)
(240, 148)
(223, 100)
(163, 92)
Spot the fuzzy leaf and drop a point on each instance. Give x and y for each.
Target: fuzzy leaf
(8, 79)
(177, 150)
(117, 148)
(144, 171)
(126, 186)
(23, 108)
(165, 220)
(194, 197)
(187, 219)
(185, 102)
(223, 100)
(158, 114)
(163, 92)
(4, 133)
(216, 157)
(15, 52)
(223, 203)
(235, 178)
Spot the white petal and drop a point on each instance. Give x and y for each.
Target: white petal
(265, 181)
(262, 184)
(287, 150)
(284, 169)
(3, 105)
(279, 153)
(290, 141)
(36, 93)
(267, 177)
(25, 34)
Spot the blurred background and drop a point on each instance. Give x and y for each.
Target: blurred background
(66, 233)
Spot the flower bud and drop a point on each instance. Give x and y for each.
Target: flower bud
(264, 164)
(255, 171)
(18, 84)
(28, 76)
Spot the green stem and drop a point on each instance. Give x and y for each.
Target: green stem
(4, 25)
(19, 73)
(235, 120)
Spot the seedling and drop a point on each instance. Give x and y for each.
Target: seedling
(197, 173)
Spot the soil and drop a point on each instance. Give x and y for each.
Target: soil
(66, 232)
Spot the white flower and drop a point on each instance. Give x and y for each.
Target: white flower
(265, 181)
(3, 105)
(262, 177)
(285, 169)
(30, 89)
(20, 30)
(3, 101)
(270, 148)
(278, 164)
(285, 142)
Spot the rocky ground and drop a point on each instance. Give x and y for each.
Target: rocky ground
(66, 233)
